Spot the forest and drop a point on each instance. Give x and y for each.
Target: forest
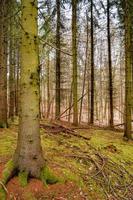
(66, 99)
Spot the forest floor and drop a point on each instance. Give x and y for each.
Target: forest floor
(93, 164)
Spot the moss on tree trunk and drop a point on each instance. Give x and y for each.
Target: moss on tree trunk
(28, 160)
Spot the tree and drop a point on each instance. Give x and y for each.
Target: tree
(28, 159)
(128, 68)
(111, 113)
(85, 68)
(74, 61)
(28, 156)
(57, 111)
(12, 63)
(3, 64)
(92, 67)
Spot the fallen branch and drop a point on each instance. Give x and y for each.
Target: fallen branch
(72, 132)
(70, 107)
(58, 128)
(4, 187)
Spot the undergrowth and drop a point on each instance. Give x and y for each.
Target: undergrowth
(101, 166)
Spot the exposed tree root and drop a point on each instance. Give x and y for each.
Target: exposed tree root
(46, 176)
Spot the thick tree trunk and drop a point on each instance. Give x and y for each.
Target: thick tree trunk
(3, 67)
(111, 112)
(57, 106)
(74, 52)
(28, 156)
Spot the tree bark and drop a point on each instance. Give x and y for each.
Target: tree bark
(11, 70)
(28, 156)
(48, 86)
(92, 67)
(111, 112)
(57, 108)
(128, 70)
(3, 66)
(85, 69)
(74, 61)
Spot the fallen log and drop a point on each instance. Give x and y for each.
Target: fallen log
(58, 128)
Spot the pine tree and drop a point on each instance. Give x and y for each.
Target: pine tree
(74, 61)
(58, 71)
(3, 64)
(92, 66)
(111, 113)
(128, 68)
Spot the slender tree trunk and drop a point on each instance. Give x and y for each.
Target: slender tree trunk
(111, 113)
(84, 78)
(128, 74)
(70, 104)
(74, 52)
(88, 86)
(17, 82)
(92, 67)
(48, 88)
(11, 72)
(28, 156)
(57, 106)
(3, 66)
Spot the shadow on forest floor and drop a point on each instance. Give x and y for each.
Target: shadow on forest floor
(94, 164)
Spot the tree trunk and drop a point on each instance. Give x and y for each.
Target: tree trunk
(92, 67)
(28, 156)
(11, 71)
(17, 81)
(57, 108)
(128, 71)
(111, 113)
(48, 86)
(3, 66)
(74, 53)
(85, 69)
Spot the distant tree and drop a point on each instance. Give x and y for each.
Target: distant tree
(111, 109)
(74, 61)
(92, 66)
(12, 59)
(58, 63)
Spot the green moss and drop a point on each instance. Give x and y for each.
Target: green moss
(95, 190)
(48, 177)
(73, 177)
(7, 173)
(7, 142)
(48, 142)
(23, 178)
(2, 193)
